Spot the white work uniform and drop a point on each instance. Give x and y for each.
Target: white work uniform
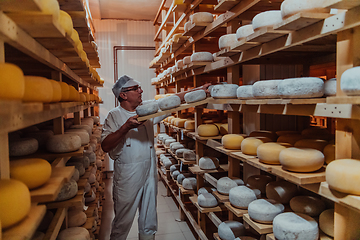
(135, 176)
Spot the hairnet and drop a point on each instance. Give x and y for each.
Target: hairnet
(123, 82)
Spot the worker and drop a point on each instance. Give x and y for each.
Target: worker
(130, 144)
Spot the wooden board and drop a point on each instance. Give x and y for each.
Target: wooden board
(225, 5)
(193, 199)
(65, 172)
(262, 166)
(27, 227)
(210, 179)
(236, 211)
(240, 156)
(227, 52)
(77, 201)
(49, 191)
(258, 227)
(343, 100)
(244, 45)
(300, 178)
(184, 191)
(48, 155)
(221, 197)
(270, 236)
(194, 28)
(90, 223)
(20, 5)
(55, 225)
(266, 34)
(216, 236)
(197, 170)
(300, 20)
(226, 151)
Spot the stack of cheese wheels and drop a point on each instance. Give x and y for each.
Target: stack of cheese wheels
(290, 138)
(201, 57)
(264, 210)
(22, 147)
(224, 91)
(68, 190)
(301, 159)
(224, 185)
(326, 222)
(229, 230)
(317, 144)
(63, 143)
(180, 122)
(12, 82)
(269, 152)
(291, 7)
(249, 145)
(263, 133)
(169, 102)
(208, 163)
(329, 153)
(227, 40)
(232, 141)
(281, 191)
(266, 89)
(208, 130)
(147, 108)
(308, 205)
(295, 225)
(241, 196)
(267, 19)
(258, 182)
(350, 82)
(56, 91)
(189, 155)
(189, 183)
(37, 89)
(207, 200)
(66, 22)
(195, 96)
(15, 202)
(330, 87)
(306, 87)
(201, 17)
(342, 175)
(189, 124)
(244, 92)
(244, 31)
(34, 172)
(74, 233)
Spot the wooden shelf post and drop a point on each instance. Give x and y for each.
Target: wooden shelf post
(4, 156)
(58, 125)
(2, 51)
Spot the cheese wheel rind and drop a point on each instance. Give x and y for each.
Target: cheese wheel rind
(201, 17)
(201, 57)
(241, 196)
(269, 152)
(12, 82)
(245, 92)
(195, 96)
(76, 218)
(258, 182)
(68, 190)
(208, 163)
(229, 230)
(227, 40)
(249, 145)
(208, 130)
(232, 141)
(306, 87)
(266, 89)
(350, 83)
(23, 146)
(244, 31)
(330, 87)
(264, 210)
(63, 143)
(224, 185)
(329, 153)
(291, 7)
(308, 205)
(207, 200)
(326, 222)
(37, 89)
(224, 91)
(169, 102)
(266, 19)
(301, 160)
(281, 191)
(147, 108)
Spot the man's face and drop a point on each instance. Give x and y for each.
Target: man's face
(133, 94)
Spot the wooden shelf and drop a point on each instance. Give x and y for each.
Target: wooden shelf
(300, 178)
(193, 199)
(48, 155)
(210, 179)
(258, 227)
(197, 170)
(77, 201)
(300, 20)
(225, 5)
(49, 191)
(56, 224)
(242, 157)
(194, 28)
(226, 151)
(184, 191)
(221, 197)
(236, 211)
(262, 166)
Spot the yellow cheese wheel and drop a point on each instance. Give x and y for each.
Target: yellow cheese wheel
(224, 129)
(301, 159)
(38, 89)
(172, 121)
(232, 141)
(189, 125)
(34, 172)
(180, 122)
(317, 144)
(208, 130)
(326, 222)
(262, 133)
(75, 37)
(56, 91)
(82, 97)
(343, 175)
(65, 94)
(249, 145)
(329, 152)
(290, 138)
(269, 152)
(83, 56)
(50, 7)
(15, 202)
(66, 22)
(74, 95)
(12, 82)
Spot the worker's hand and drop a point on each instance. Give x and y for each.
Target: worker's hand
(132, 122)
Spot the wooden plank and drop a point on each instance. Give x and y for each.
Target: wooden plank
(193, 199)
(20, 5)
(300, 178)
(270, 236)
(226, 151)
(300, 20)
(227, 52)
(343, 100)
(47, 155)
(197, 170)
(77, 201)
(212, 216)
(73, 5)
(194, 28)
(49, 191)
(65, 172)
(55, 225)
(90, 223)
(258, 227)
(4, 156)
(242, 157)
(27, 227)
(265, 35)
(262, 166)
(210, 179)
(236, 211)
(221, 197)
(225, 5)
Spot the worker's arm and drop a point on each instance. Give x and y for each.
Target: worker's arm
(113, 139)
(203, 87)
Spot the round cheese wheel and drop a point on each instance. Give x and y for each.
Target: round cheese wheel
(229, 230)
(224, 129)
(37, 89)
(180, 178)
(290, 138)
(91, 197)
(91, 156)
(208, 130)
(266, 19)
(172, 121)
(204, 190)
(175, 174)
(224, 91)
(68, 190)
(238, 181)
(244, 31)
(147, 108)
(41, 136)
(87, 187)
(86, 127)
(176, 146)
(330, 87)
(264, 210)
(180, 152)
(342, 175)
(12, 82)
(179, 64)
(76, 218)
(263, 133)
(74, 95)
(167, 163)
(201, 17)
(180, 123)
(281, 191)
(187, 60)
(63, 143)
(224, 185)
(65, 94)
(82, 133)
(295, 226)
(195, 96)
(50, 7)
(269, 152)
(174, 167)
(350, 82)
(291, 7)
(207, 200)
(201, 57)
(245, 92)
(189, 183)
(78, 165)
(169, 141)
(189, 155)
(241, 196)
(169, 102)
(308, 205)
(258, 182)
(189, 125)
(208, 163)
(66, 22)
(249, 145)
(76, 175)
(15, 202)
(326, 222)
(317, 144)
(227, 40)
(306, 87)
(34, 172)
(329, 153)
(74, 233)
(56, 91)
(232, 141)
(301, 159)
(23, 147)
(266, 89)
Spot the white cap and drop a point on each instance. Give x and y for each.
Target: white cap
(123, 82)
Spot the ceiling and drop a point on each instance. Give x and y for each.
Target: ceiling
(124, 9)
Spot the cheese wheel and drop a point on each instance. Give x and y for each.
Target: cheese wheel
(169, 141)
(329, 153)
(244, 31)
(267, 19)
(207, 200)
(229, 230)
(179, 64)
(76, 175)
(306, 87)
(82, 133)
(330, 87)
(74, 95)
(241, 196)
(175, 146)
(15, 202)
(34, 172)
(66, 22)
(201, 57)
(195, 96)
(65, 94)
(50, 7)
(208, 163)
(86, 127)
(342, 175)
(172, 121)
(263, 133)
(74, 233)
(224, 185)
(78, 165)
(187, 60)
(90, 155)
(245, 92)
(76, 218)
(12, 82)
(37, 89)
(266, 89)
(258, 182)
(269, 152)
(227, 40)
(308, 205)
(41, 136)
(174, 167)
(208, 130)
(204, 190)
(201, 17)
(249, 145)
(23, 146)
(175, 174)
(264, 210)
(180, 152)
(87, 187)
(232, 141)
(147, 108)
(68, 190)
(301, 159)
(224, 91)
(180, 178)
(290, 138)
(169, 102)
(317, 144)
(63, 143)
(189, 155)
(281, 191)
(291, 7)
(295, 226)
(180, 122)
(326, 222)
(189, 125)
(350, 82)
(189, 183)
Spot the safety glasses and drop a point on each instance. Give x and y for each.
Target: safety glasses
(135, 88)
